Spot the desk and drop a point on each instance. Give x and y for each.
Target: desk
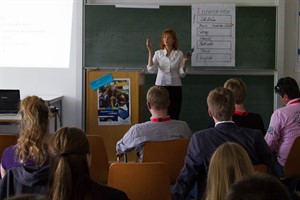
(50, 100)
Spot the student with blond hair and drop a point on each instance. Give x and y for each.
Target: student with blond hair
(160, 127)
(229, 163)
(24, 166)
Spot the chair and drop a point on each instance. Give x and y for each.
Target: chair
(99, 161)
(292, 164)
(172, 152)
(260, 168)
(147, 181)
(6, 140)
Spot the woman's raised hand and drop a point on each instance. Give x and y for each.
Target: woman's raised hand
(149, 45)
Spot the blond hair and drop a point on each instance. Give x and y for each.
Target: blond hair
(238, 88)
(32, 141)
(229, 163)
(158, 97)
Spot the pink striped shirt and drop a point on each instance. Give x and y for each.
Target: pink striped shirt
(283, 129)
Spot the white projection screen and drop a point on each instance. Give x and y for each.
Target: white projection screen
(35, 33)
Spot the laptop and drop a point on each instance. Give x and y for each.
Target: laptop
(9, 101)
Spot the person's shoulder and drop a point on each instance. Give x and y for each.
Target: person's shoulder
(9, 150)
(203, 132)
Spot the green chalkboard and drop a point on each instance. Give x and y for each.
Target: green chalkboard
(115, 37)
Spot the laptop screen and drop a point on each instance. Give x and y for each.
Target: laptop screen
(9, 101)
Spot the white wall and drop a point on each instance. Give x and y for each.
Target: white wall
(291, 40)
(43, 81)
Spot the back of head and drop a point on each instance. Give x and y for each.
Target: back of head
(230, 162)
(220, 103)
(34, 130)
(238, 88)
(258, 187)
(158, 98)
(69, 178)
(287, 86)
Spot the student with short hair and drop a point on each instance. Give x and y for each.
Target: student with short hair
(160, 127)
(203, 143)
(241, 116)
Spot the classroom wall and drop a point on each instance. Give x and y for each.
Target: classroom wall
(291, 40)
(44, 81)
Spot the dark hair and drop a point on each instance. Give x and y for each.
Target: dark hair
(69, 178)
(258, 187)
(287, 86)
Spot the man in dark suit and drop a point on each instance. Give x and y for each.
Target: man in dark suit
(203, 143)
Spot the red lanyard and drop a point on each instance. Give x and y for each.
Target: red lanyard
(153, 119)
(241, 113)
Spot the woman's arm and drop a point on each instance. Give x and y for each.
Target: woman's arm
(149, 47)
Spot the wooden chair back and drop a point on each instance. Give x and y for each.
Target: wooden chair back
(292, 164)
(147, 181)
(99, 160)
(172, 152)
(260, 168)
(6, 140)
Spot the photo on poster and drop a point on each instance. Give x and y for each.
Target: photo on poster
(114, 103)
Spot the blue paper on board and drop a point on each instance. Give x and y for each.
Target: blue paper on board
(99, 82)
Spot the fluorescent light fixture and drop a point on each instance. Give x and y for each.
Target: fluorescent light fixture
(147, 6)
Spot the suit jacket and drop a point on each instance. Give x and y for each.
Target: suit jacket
(203, 144)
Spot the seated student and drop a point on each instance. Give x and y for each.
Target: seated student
(160, 127)
(24, 166)
(258, 187)
(241, 116)
(69, 176)
(229, 163)
(204, 142)
(284, 125)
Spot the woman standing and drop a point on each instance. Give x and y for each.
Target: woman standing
(169, 64)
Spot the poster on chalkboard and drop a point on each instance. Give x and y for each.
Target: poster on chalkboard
(213, 34)
(114, 103)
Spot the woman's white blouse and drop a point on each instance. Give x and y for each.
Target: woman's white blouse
(169, 69)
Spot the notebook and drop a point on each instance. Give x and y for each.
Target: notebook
(9, 101)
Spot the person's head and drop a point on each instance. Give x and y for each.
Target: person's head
(230, 162)
(238, 88)
(69, 152)
(260, 186)
(34, 131)
(169, 35)
(158, 98)
(287, 88)
(220, 103)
